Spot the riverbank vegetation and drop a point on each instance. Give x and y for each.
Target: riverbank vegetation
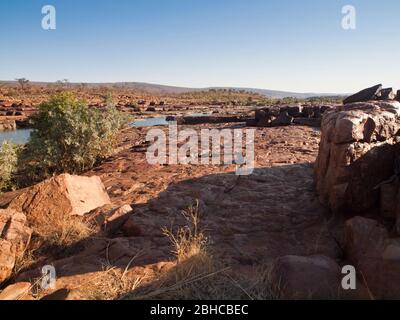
(67, 137)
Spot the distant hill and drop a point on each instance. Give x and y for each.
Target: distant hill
(165, 89)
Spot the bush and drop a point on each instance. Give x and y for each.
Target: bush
(70, 137)
(8, 164)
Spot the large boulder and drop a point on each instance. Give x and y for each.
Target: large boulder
(64, 194)
(357, 153)
(297, 277)
(14, 239)
(376, 257)
(364, 95)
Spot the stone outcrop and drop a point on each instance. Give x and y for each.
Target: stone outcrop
(285, 116)
(64, 194)
(364, 95)
(8, 125)
(357, 153)
(192, 120)
(376, 256)
(297, 277)
(374, 93)
(14, 238)
(387, 94)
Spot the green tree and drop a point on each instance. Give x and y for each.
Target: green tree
(70, 137)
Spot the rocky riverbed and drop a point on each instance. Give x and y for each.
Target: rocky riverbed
(318, 200)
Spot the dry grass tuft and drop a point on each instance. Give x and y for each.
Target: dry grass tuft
(189, 241)
(197, 275)
(111, 284)
(63, 231)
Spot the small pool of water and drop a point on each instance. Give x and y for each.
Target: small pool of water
(20, 136)
(150, 122)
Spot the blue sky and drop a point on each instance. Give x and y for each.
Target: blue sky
(275, 44)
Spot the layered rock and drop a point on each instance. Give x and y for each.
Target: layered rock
(357, 153)
(61, 195)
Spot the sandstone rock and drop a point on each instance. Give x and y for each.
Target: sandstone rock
(17, 291)
(364, 238)
(357, 152)
(387, 94)
(398, 95)
(375, 256)
(282, 120)
(14, 238)
(64, 194)
(13, 229)
(7, 259)
(297, 277)
(364, 95)
(110, 218)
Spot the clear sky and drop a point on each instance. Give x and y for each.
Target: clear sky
(288, 45)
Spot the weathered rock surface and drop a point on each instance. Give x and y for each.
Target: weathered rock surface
(387, 94)
(285, 116)
(250, 221)
(14, 238)
(7, 259)
(296, 277)
(64, 194)
(7, 125)
(111, 219)
(357, 153)
(375, 256)
(364, 95)
(13, 229)
(17, 291)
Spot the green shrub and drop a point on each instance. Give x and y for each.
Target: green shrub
(70, 137)
(8, 164)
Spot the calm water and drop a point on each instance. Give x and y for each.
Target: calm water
(150, 122)
(20, 136)
(161, 121)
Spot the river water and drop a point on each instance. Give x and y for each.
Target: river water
(21, 136)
